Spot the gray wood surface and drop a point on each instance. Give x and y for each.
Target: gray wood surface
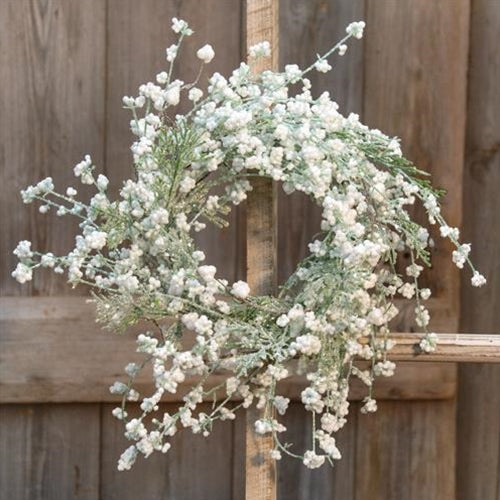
(478, 445)
(49, 452)
(138, 33)
(415, 88)
(194, 468)
(71, 359)
(297, 482)
(52, 101)
(406, 452)
(307, 29)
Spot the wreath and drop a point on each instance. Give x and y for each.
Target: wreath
(139, 256)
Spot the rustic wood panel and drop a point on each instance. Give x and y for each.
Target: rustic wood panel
(306, 29)
(406, 451)
(194, 468)
(49, 452)
(478, 437)
(478, 447)
(415, 87)
(411, 77)
(382, 453)
(297, 482)
(138, 33)
(459, 347)
(432, 450)
(239, 459)
(70, 359)
(52, 100)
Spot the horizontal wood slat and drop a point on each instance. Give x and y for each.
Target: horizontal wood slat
(51, 350)
(451, 347)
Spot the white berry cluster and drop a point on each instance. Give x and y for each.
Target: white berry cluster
(138, 253)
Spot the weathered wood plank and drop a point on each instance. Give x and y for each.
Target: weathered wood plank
(406, 451)
(478, 446)
(383, 453)
(478, 437)
(432, 450)
(313, 27)
(194, 468)
(451, 347)
(261, 23)
(138, 33)
(411, 381)
(49, 451)
(52, 101)
(306, 29)
(51, 350)
(52, 98)
(296, 482)
(415, 87)
(239, 446)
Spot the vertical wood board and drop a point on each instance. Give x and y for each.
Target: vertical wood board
(194, 468)
(478, 445)
(52, 101)
(261, 24)
(296, 482)
(307, 29)
(406, 451)
(138, 34)
(415, 88)
(49, 452)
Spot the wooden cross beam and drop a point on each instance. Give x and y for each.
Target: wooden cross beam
(451, 347)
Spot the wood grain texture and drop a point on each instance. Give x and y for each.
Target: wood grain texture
(52, 62)
(415, 88)
(478, 437)
(262, 237)
(432, 450)
(451, 347)
(54, 107)
(296, 482)
(412, 380)
(383, 453)
(138, 33)
(49, 452)
(260, 469)
(478, 446)
(70, 359)
(52, 101)
(306, 29)
(406, 451)
(194, 468)
(261, 23)
(239, 457)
